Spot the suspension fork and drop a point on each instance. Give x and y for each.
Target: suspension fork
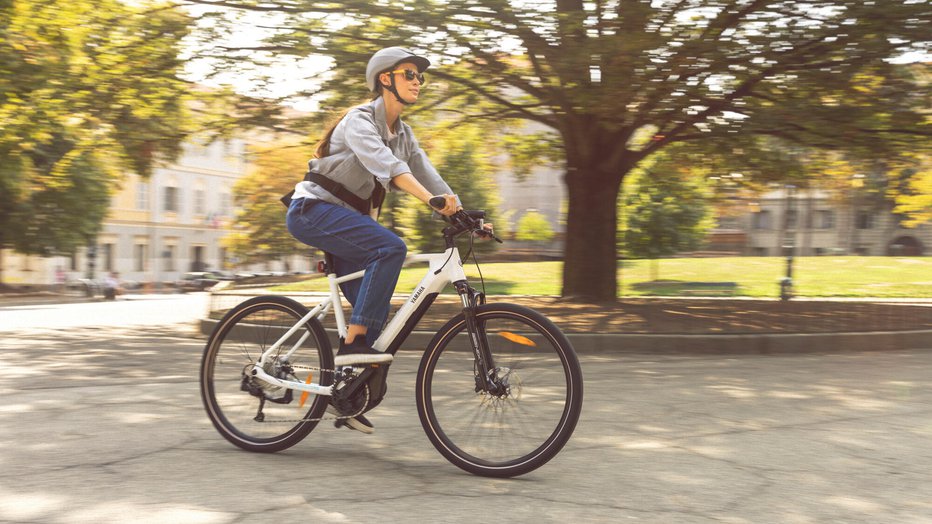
(471, 298)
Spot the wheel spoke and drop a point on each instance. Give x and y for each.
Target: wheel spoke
(512, 430)
(239, 340)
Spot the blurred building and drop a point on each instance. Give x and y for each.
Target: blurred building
(162, 227)
(542, 191)
(815, 223)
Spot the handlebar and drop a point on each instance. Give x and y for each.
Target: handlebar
(463, 221)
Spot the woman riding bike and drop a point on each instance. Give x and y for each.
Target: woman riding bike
(368, 151)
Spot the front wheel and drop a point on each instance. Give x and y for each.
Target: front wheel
(253, 414)
(530, 414)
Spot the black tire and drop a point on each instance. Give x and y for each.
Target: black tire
(519, 431)
(235, 344)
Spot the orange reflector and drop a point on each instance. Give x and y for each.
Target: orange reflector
(517, 339)
(305, 394)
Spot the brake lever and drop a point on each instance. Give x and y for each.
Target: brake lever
(489, 234)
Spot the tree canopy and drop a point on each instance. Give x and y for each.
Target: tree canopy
(665, 209)
(466, 165)
(914, 202)
(88, 91)
(259, 232)
(533, 227)
(618, 80)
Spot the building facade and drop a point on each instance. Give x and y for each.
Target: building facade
(160, 228)
(815, 223)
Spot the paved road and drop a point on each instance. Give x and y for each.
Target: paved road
(128, 310)
(104, 424)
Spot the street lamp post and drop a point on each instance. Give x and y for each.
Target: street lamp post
(789, 241)
(857, 182)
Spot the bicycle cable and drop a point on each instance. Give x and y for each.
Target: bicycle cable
(475, 261)
(445, 262)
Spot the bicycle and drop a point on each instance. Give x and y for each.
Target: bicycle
(499, 387)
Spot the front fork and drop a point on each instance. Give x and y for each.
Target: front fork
(471, 298)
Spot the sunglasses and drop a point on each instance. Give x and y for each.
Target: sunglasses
(410, 75)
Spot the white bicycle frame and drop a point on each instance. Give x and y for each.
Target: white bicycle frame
(444, 268)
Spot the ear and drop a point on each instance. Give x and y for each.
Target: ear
(384, 80)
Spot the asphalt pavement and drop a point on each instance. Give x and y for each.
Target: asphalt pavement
(104, 424)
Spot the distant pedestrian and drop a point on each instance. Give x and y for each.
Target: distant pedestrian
(112, 286)
(60, 278)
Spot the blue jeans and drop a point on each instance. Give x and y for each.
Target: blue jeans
(356, 242)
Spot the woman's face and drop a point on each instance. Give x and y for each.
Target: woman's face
(407, 89)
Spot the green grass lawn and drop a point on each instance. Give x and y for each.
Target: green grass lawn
(890, 277)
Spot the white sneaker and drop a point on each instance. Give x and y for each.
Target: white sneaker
(359, 422)
(359, 353)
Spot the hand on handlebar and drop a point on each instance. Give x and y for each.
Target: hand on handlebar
(487, 231)
(445, 204)
(463, 221)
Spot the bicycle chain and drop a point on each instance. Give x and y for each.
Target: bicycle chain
(319, 419)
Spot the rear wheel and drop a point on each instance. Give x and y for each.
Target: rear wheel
(251, 413)
(530, 414)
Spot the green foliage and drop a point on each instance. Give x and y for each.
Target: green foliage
(665, 211)
(621, 81)
(914, 201)
(530, 150)
(855, 276)
(88, 91)
(260, 233)
(533, 226)
(462, 158)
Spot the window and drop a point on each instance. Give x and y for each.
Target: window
(825, 219)
(200, 197)
(728, 222)
(761, 220)
(171, 203)
(106, 257)
(140, 254)
(225, 203)
(197, 259)
(865, 220)
(142, 195)
(791, 217)
(168, 257)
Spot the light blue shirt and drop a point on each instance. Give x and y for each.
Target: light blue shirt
(363, 151)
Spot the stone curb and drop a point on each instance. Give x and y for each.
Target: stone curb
(735, 344)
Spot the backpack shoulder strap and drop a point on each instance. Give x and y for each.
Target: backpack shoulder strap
(338, 190)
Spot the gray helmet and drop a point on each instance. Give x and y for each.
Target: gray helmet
(388, 58)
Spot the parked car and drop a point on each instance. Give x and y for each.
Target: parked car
(197, 281)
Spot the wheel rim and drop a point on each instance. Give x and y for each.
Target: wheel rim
(525, 420)
(242, 340)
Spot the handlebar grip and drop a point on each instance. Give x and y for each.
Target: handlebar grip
(437, 202)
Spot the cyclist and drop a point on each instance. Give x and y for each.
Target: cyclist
(366, 152)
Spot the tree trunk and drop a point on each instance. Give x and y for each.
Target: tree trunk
(590, 258)
(2, 245)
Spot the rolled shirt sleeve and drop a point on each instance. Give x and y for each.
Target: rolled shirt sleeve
(424, 171)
